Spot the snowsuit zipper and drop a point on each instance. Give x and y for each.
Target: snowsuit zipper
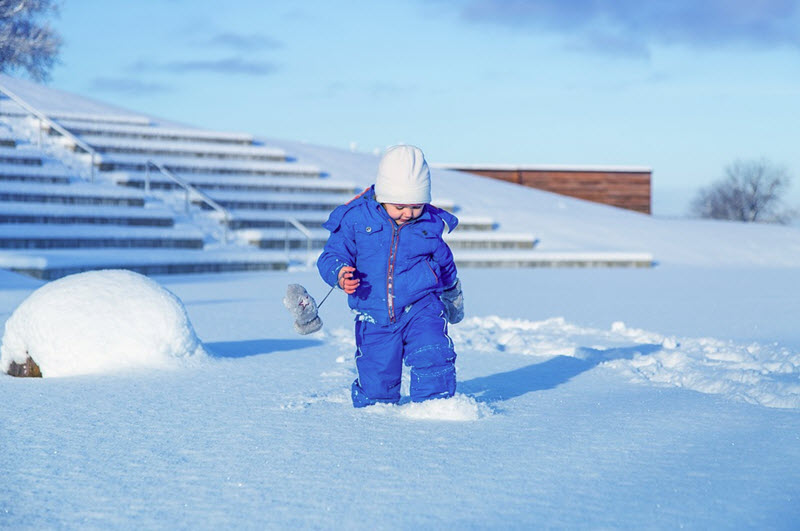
(390, 270)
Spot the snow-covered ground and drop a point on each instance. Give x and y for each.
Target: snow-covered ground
(658, 398)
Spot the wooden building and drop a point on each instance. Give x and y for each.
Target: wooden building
(620, 186)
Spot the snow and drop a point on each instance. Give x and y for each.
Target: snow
(211, 181)
(77, 189)
(237, 166)
(656, 398)
(99, 322)
(660, 397)
(18, 231)
(148, 131)
(181, 147)
(149, 211)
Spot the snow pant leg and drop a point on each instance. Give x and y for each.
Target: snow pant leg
(379, 361)
(430, 355)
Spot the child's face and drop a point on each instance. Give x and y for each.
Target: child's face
(403, 213)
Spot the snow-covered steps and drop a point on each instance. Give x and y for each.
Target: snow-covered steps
(52, 264)
(476, 223)
(472, 258)
(36, 236)
(183, 148)
(254, 219)
(77, 194)
(11, 212)
(18, 156)
(288, 236)
(48, 173)
(182, 165)
(6, 140)
(461, 239)
(101, 118)
(275, 219)
(278, 201)
(241, 183)
(147, 131)
(324, 202)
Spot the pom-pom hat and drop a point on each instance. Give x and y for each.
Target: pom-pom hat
(403, 177)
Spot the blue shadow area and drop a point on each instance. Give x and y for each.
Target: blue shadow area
(254, 347)
(207, 302)
(546, 375)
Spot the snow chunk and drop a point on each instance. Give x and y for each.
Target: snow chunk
(460, 407)
(97, 322)
(456, 408)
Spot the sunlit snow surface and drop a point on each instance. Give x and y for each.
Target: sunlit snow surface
(564, 416)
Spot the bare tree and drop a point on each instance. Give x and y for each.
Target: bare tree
(751, 191)
(27, 42)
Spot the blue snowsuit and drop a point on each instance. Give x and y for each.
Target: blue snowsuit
(399, 316)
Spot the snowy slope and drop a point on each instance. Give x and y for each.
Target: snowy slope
(566, 224)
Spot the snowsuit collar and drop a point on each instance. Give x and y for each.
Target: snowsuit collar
(368, 196)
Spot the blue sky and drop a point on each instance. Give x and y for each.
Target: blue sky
(685, 87)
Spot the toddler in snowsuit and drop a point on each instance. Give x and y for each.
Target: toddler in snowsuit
(387, 253)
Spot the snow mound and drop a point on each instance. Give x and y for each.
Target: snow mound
(460, 407)
(768, 375)
(97, 322)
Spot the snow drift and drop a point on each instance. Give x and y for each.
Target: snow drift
(99, 321)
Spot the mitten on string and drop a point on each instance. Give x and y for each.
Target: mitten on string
(304, 309)
(453, 301)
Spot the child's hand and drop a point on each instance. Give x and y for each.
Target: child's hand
(346, 280)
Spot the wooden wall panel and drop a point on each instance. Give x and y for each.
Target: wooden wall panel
(623, 189)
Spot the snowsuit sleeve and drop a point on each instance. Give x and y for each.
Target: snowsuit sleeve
(340, 250)
(443, 256)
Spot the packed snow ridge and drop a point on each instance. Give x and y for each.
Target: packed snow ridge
(768, 375)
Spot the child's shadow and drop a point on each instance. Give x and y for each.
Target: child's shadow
(545, 375)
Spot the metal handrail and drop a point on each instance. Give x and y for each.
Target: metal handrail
(304, 231)
(188, 190)
(54, 125)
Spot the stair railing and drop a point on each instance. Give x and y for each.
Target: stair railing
(43, 118)
(305, 232)
(189, 191)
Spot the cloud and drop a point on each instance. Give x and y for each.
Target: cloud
(230, 65)
(126, 85)
(244, 43)
(630, 27)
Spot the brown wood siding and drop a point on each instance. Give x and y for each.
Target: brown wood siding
(630, 190)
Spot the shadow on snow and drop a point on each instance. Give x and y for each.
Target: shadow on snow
(254, 347)
(546, 375)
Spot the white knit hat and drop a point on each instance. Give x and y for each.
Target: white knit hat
(403, 177)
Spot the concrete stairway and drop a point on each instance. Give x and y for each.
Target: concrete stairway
(262, 191)
(53, 222)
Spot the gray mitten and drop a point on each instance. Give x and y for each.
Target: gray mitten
(304, 308)
(453, 301)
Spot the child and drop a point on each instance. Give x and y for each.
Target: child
(386, 252)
